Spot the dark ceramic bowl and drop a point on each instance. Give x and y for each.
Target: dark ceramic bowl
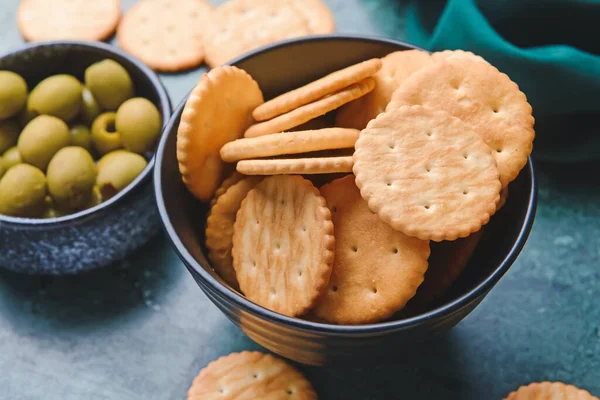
(100, 235)
(277, 69)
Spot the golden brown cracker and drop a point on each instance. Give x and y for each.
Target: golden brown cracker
(249, 376)
(219, 228)
(68, 19)
(427, 174)
(283, 245)
(315, 90)
(218, 111)
(396, 68)
(484, 98)
(309, 111)
(376, 269)
(166, 34)
(550, 391)
(296, 166)
(318, 17)
(289, 143)
(228, 182)
(440, 56)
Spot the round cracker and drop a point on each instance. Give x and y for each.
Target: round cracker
(312, 110)
(396, 68)
(248, 376)
(283, 245)
(440, 56)
(550, 390)
(328, 84)
(219, 228)
(296, 166)
(483, 97)
(68, 19)
(395, 262)
(166, 34)
(318, 16)
(228, 182)
(218, 111)
(289, 143)
(426, 173)
(239, 26)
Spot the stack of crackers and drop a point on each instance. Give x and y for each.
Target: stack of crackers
(336, 221)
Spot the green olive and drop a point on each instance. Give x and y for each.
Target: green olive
(41, 139)
(25, 116)
(2, 168)
(110, 83)
(90, 108)
(81, 136)
(13, 94)
(118, 169)
(138, 122)
(71, 176)
(105, 136)
(11, 157)
(22, 191)
(9, 132)
(58, 95)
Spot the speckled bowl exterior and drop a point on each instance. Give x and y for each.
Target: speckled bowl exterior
(280, 68)
(100, 235)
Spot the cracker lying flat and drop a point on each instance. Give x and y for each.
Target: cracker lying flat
(166, 34)
(228, 182)
(376, 269)
(480, 95)
(249, 376)
(550, 391)
(289, 143)
(218, 111)
(68, 19)
(219, 228)
(440, 56)
(309, 111)
(296, 166)
(318, 17)
(396, 67)
(283, 245)
(315, 90)
(426, 173)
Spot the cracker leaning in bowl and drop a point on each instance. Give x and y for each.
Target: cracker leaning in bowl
(417, 173)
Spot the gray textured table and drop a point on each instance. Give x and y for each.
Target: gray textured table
(142, 329)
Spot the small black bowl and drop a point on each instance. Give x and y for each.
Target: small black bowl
(109, 231)
(277, 69)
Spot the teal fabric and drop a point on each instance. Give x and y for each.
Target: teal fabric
(551, 48)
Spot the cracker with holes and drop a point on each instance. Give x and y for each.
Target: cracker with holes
(426, 173)
(376, 269)
(296, 166)
(396, 68)
(218, 111)
(315, 90)
(248, 376)
(283, 245)
(68, 19)
(166, 34)
(551, 391)
(289, 143)
(219, 228)
(312, 110)
(481, 96)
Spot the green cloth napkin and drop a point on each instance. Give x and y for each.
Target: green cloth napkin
(550, 48)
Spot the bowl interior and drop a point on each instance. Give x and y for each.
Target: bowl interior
(37, 61)
(287, 66)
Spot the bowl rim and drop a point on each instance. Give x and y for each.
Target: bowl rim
(144, 176)
(258, 311)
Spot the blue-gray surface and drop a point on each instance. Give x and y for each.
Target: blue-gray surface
(142, 329)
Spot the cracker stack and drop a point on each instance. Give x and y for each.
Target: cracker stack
(423, 151)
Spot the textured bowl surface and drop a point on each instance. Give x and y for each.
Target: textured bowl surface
(100, 235)
(277, 69)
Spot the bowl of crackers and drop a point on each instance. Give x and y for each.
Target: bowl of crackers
(340, 198)
(79, 123)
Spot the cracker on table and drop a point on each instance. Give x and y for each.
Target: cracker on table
(427, 174)
(296, 166)
(550, 390)
(376, 269)
(283, 245)
(249, 376)
(312, 110)
(218, 111)
(483, 97)
(68, 19)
